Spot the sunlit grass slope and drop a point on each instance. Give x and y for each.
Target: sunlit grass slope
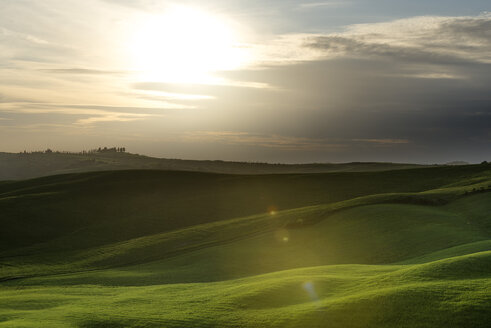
(448, 293)
(405, 248)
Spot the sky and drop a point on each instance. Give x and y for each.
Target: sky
(249, 80)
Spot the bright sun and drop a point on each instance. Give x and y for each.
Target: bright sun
(185, 45)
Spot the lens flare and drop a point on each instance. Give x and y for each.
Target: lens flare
(282, 235)
(272, 210)
(310, 289)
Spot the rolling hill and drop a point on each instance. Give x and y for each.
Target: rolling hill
(149, 248)
(38, 164)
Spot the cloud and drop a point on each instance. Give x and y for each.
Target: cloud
(84, 114)
(73, 109)
(121, 109)
(282, 142)
(435, 40)
(196, 92)
(437, 76)
(81, 71)
(25, 47)
(117, 117)
(384, 141)
(426, 39)
(9, 34)
(324, 4)
(288, 49)
(260, 140)
(162, 95)
(218, 82)
(8, 99)
(139, 4)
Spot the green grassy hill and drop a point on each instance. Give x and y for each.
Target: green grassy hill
(32, 165)
(405, 248)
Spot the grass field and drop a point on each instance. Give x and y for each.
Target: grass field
(404, 248)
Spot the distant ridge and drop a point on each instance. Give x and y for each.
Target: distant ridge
(457, 163)
(18, 166)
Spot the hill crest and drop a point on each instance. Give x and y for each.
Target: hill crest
(19, 166)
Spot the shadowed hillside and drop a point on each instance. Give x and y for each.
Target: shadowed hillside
(114, 206)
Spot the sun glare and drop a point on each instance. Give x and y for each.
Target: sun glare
(185, 45)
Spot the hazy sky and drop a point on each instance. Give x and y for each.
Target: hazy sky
(254, 80)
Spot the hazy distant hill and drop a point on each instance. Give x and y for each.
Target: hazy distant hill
(32, 165)
(457, 163)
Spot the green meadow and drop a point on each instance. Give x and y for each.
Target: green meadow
(154, 248)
